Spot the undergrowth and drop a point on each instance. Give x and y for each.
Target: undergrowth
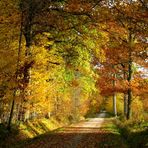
(27, 130)
(135, 133)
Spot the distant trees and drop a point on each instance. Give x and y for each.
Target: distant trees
(126, 28)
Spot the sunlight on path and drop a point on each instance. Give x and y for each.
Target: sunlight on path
(92, 122)
(95, 122)
(90, 126)
(92, 133)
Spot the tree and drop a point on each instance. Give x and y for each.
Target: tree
(126, 31)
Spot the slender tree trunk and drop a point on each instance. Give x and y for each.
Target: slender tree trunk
(16, 74)
(11, 112)
(129, 103)
(125, 105)
(27, 30)
(114, 105)
(125, 95)
(114, 97)
(20, 109)
(129, 92)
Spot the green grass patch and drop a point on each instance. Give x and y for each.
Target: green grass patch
(38, 127)
(109, 125)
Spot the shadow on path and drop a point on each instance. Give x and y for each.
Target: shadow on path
(97, 139)
(86, 134)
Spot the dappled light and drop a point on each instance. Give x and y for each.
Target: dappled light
(73, 73)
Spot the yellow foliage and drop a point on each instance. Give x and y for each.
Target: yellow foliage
(119, 101)
(137, 109)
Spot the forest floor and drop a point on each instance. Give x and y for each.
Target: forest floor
(98, 132)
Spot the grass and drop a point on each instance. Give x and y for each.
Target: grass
(25, 131)
(38, 127)
(136, 134)
(107, 136)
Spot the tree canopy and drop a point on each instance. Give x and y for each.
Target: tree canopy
(66, 58)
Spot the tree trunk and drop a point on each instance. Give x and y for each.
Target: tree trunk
(16, 74)
(129, 92)
(27, 31)
(125, 94)
(114, 105)
(114, 97)
(125, 105)
(11, 112)
(129, 104)
(20, 109)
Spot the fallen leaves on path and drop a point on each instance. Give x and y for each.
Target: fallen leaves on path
(82, 135)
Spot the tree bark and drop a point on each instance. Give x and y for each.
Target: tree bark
(16, 74)
(129, 92)
(125, 94)
(11, 112)
(129, 103)
(114, 105)
(27, 31)
(114, 97)
(125, 104)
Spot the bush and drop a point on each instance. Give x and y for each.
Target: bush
(137, 110)
(135, 135)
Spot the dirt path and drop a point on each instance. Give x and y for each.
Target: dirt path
(90, 126)
(92, 133)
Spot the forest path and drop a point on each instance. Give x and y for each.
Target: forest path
(98, 132)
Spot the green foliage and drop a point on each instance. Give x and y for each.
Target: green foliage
(65, 44)
(27, 130)
(135, 134)
(109, 104)
(137, 110)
